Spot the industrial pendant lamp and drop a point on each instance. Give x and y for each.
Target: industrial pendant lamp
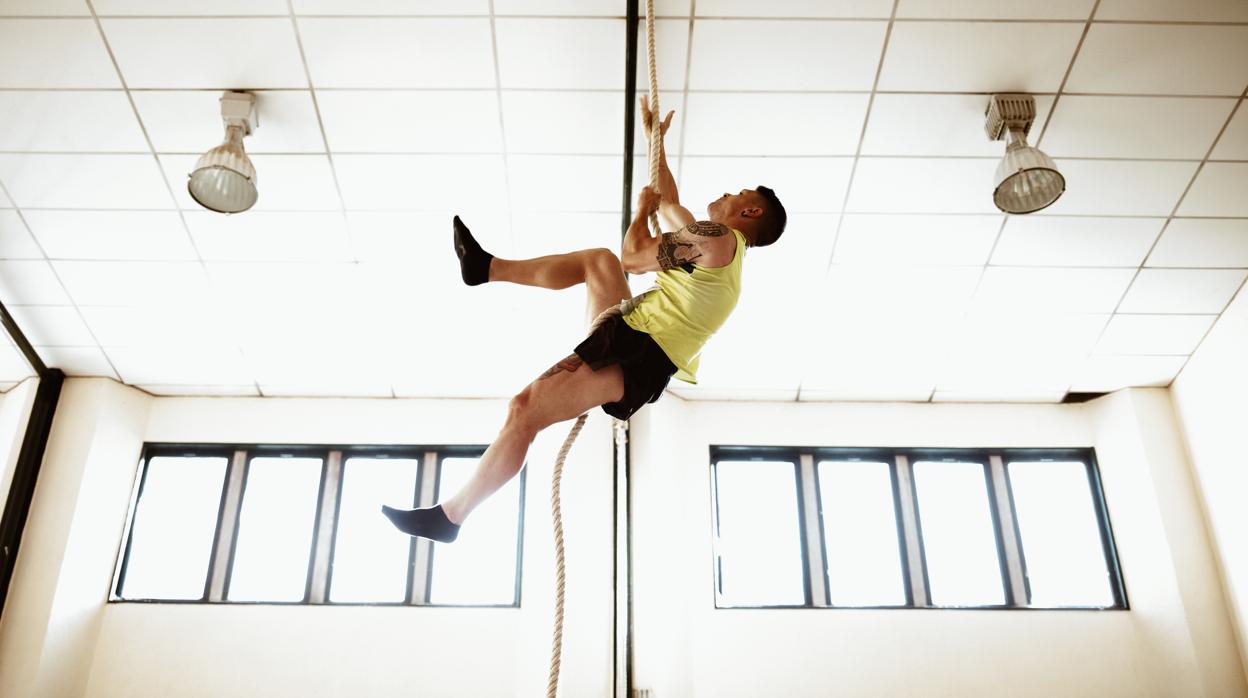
(1026, 179)
(224, 179)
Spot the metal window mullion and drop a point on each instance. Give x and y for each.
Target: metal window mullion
(915, 564)
(1007, 532)
(227, 527)
(318, 592)
(816, 569)
(422, 558)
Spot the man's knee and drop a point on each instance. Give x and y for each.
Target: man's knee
(605, 261)
(520, 411)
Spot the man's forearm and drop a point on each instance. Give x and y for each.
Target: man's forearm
(638, 233)
(667, 183)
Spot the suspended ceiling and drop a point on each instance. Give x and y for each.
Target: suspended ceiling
(896, 280)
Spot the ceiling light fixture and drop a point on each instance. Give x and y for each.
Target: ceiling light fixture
(1026, 179)
(224, 180)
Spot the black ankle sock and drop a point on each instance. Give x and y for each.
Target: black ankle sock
(474, 262)
(426, 523)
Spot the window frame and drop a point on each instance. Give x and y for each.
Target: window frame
(328, 509)
(1010, 553)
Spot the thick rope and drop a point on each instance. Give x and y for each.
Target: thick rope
(656, 142)
(556, 650)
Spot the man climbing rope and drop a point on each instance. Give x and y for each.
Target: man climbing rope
(636, 344)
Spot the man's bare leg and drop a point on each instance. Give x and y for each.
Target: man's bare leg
(561, 393)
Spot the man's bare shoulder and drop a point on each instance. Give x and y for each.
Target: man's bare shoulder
(715, 241)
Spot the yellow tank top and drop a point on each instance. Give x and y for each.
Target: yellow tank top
(686, 308)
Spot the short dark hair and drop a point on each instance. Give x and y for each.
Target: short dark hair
(771, 226)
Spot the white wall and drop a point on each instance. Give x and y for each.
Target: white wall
(60, 639)
(1211, 398)
(15, 408)
(1174, 641)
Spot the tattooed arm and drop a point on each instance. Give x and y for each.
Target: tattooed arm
(703, 243)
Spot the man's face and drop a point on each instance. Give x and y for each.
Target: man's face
(729, 205)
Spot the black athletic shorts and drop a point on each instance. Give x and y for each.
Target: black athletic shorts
(646, 368)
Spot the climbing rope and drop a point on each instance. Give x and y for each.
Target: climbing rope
(656, 142)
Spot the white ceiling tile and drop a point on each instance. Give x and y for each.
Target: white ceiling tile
(1120, 187)
(538, 234)
(155, 235)
(857, 356)
(916, 239)
(607, 8)
(31, 283)
(774, 124)
(60, 53)
(1166, 10)
(133, 283)
(1172, 335)
(798, 262)
(994, 9)
(1202, 242)
(1052, 290)
(532, 127)
(1062, 241)
(922, 185)
(421, 243)
(1109, 373)
(1134, 127)
(235, 53)
(44, 8)
(180, 365)
(54, 121)
(267, 236)
(190, 122)
(564, 182)
(399, 52)
(1161, 59)
(315, 370)
(392, 7)
(424, 121)
(562, 53)
(1192, 291)
(1219, 190)
(794, 8)
(299, 285)
(671, 48)
(463, 184)
(15, 241)
(190, 7)
(189, 325)
(84, 181)
(52, 325)
(785, 55)
(930, 124)
(285, 182)
(867, 393)
(803, 185)
(13, 366)
(78, 361)
(4, 200)
(978, 56)
(908, 295)
(1233, 145)
(199, 390)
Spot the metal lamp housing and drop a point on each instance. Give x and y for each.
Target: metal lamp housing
(1026, 179)
(224, 180)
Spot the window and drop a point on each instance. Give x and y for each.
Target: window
(918, 528)
(298, 524)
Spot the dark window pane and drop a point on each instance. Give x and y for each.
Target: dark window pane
(174, 523)
(860, 532)
(1060, 534)
(370, 556)
(480, 568)
(759, 542)
(959, 540)
(275, 526)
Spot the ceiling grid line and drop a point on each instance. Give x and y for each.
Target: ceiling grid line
(862, 134)
(502, 126)
(164, 178)
(329, 153)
